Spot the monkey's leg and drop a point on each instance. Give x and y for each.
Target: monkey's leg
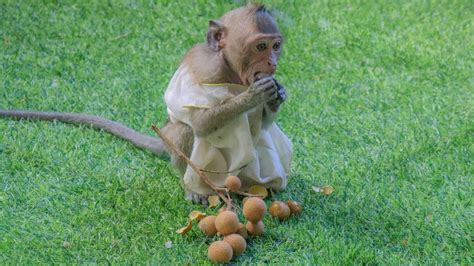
(152, 144)
(182, 136)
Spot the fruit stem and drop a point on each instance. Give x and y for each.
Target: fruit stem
(247, 194)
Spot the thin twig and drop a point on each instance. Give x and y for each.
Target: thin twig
(228, 172)
(231, 206)
(178, 152)
(188, 161)
(247, 194)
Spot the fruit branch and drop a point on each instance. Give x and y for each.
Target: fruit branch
(228, 172)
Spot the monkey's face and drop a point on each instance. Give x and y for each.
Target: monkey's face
(249, 41)
(255, 56)
(262, 54)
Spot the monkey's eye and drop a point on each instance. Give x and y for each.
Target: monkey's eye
(261, 46)
(276, 46)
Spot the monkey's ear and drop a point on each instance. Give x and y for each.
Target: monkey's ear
(215, 35)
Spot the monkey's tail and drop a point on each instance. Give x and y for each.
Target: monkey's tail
(146, 142)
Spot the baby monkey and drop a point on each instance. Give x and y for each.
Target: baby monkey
(221, 103)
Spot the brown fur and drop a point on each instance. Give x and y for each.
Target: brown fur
(208, 66)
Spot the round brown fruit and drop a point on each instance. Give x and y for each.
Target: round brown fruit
(233, 183)
(280, 210)
(208, 225)
(255, 229)
(242, 230)
(254, 209)
(295, 207)
(227, 223)
(220, 252)
(237, 242)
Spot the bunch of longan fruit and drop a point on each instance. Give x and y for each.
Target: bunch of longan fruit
(227, 224)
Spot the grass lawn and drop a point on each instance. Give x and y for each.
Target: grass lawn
(380, 106)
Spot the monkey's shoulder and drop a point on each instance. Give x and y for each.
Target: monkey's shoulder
(205, 65)
(197, 54)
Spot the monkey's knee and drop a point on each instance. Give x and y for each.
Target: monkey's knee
(182, 137)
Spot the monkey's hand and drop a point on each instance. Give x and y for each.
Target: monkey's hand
(263, 91)
(281, 97)
(260, 92)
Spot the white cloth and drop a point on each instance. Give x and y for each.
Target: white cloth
(241, 147)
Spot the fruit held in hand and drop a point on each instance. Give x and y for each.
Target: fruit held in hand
(208, 225)
(280, 210)
(254, 209)
(295, 207)
(220, 252)
(233, 183)
(227, 223)
(255, 229)
(237, 242)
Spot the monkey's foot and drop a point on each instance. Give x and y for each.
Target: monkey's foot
(197, 198)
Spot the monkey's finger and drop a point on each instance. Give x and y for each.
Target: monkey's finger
(274, 98)
(259, 87)
(267, 86)
(262, 81)
(269, 95)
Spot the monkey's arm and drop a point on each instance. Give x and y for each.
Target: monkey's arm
(269, 115)
(209, 120)
(154, 145)
(272, 107)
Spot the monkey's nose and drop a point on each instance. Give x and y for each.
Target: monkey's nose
(271, 67)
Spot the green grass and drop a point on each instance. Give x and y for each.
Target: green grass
(380, 107)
